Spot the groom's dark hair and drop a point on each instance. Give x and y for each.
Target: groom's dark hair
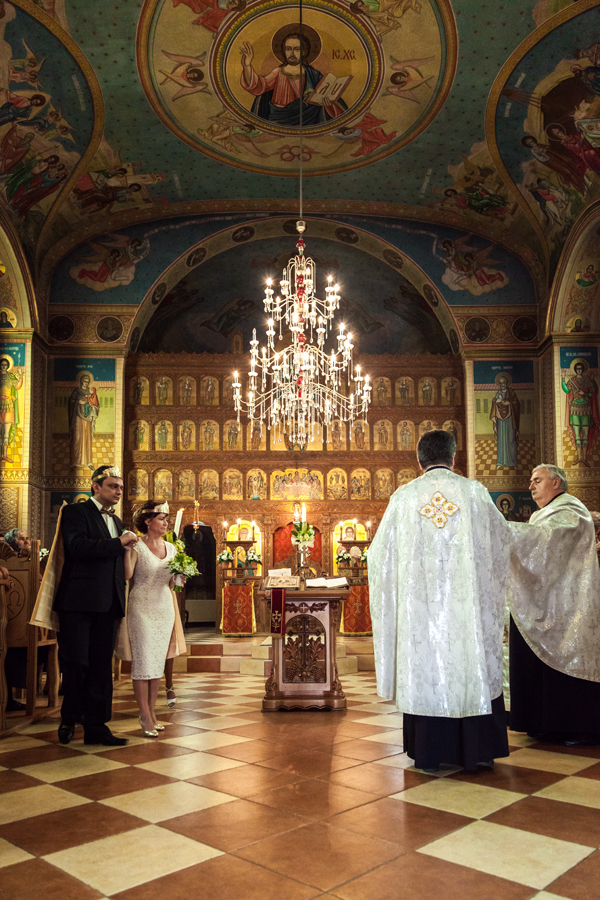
(436, 448)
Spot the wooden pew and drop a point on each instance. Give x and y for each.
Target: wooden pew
(24, 569)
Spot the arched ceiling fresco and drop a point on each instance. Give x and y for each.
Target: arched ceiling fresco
(473, 123)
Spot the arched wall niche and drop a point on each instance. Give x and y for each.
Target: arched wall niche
(17, 295)
(338, 231)
(574, 302)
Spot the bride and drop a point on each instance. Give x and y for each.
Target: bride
(153, 626)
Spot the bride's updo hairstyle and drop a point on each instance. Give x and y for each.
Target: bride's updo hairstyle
(146, 511)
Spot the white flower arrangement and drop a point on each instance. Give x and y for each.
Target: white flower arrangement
(252, 556)
(43, 553)
(363, 556)
(225, 556)
(343, 556)
(303, 534)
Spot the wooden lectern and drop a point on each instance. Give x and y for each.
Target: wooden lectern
(304, 673)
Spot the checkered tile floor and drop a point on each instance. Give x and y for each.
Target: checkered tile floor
(103, 449)
(234, 804)
(485, 458)
(570, 454)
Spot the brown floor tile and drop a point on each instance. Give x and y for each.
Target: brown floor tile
(407, 824)
(314, 799)
(46, 753)
(426, 878)
(592, 772)
(113, 784)
(565, 821)
(581, 882)
(35, 878)
(172, 731)
(223, 878)
(250, 752)
(147, 752)
(511, 778)
(183, 716)
(365, 750)
(356, 730)
(16, 781)
(378, 780)
(68, 828)
(246, 780)
(310, 763)
(233, 825)
(321, 855)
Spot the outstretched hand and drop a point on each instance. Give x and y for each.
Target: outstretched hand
(247, 53)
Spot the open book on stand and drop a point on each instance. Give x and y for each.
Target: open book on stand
(326, 582)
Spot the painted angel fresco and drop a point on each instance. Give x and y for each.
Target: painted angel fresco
(112, 263)
(406, 77)
(188, 74)
(468, 269)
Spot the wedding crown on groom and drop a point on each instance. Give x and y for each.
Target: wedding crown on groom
(106, 472)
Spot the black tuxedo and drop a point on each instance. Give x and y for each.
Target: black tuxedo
(90, 602)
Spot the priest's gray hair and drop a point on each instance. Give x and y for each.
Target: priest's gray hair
(555, 472)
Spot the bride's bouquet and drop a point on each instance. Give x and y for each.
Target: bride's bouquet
(182, 566)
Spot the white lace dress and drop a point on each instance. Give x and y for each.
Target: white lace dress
(150, 613)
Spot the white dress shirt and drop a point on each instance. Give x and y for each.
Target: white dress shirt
(109, 520)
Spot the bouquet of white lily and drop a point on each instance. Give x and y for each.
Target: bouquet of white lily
(303, 533)
(343, 556)
(182, 566)
(225, 556)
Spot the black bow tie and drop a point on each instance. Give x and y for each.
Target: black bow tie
(107, 512)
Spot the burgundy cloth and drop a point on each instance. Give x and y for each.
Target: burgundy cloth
(277, 610)
(283, 547)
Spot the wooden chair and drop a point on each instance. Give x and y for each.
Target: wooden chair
(24, 569)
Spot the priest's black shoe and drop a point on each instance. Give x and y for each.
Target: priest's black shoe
(103, 735)
(65, 733)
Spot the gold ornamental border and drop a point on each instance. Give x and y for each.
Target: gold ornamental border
(447, 29)
(498, 86)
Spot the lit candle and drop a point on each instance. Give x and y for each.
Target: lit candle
(368, 531)
(304, 513)
(253, 530)
(239, 524)
(341, 529)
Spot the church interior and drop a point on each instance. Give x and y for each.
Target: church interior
(154, 163)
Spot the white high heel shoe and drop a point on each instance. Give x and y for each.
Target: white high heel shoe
(171, 701)
(147, 734)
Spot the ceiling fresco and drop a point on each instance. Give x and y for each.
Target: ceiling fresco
(464, 133)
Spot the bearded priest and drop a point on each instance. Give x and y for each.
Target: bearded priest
(554, 599)
(438, 570)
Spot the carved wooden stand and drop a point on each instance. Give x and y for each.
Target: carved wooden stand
(304, 673)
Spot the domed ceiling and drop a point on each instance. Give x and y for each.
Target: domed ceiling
(465, 134)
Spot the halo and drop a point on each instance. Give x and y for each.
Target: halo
(308, 32)
(579, 361)
(11, 362)
(503, 375)
(80, 375)
(510, 499)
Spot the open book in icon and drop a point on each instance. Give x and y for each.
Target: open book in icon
(329, 89)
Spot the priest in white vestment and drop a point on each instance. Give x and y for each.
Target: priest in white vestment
(438, 570)
(554, 599)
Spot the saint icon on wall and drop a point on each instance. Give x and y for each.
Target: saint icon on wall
(582, 419)
(277, 93)
(505, 415)
(10, 384)
(84, 408)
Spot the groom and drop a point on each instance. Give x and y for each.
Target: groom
(90, 602)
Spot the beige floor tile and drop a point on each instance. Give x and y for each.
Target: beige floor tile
(382, 707)
(71, 767)
(122, 861)
(167, 801)
(228, 710)
(208, 740)
(36, 801)
(16, 742)
(583, 791)
(391, 720)
(9, 854)
(547, 761)
(544, 895)
(100, 748)
(220, 722)
(399, 761)
(387, 737)
(39, 727)
(510, 853)
(129, 724)
(191, 765)
(462, 798)
(517, 739)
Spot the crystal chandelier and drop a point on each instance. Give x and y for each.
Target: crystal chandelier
(296, 389)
